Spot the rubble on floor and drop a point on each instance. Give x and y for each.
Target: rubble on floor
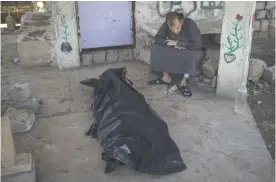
(21, 107)
(269, 74)
(210, 68)
(256, 69)
(21, 120)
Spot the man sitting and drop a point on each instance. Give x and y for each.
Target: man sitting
(176, 52)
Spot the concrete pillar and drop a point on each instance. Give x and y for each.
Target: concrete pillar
(66, 31)
(236, 38)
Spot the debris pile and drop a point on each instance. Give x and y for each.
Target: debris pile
(21, 107)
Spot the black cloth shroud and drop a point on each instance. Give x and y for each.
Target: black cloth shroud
(129, 130)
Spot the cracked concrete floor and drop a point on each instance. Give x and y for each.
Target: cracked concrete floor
(216, 144)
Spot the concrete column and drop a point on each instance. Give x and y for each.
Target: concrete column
(236, 38)
(65, 25)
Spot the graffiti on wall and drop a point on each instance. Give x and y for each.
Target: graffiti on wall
(233, 40)
(164, 7)
(65, 46)
(210, 5)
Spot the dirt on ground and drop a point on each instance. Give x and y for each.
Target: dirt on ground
(261, 94)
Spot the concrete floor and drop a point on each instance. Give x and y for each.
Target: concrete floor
(216, 144)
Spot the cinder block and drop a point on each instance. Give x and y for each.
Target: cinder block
(99, 57)
(32, 103)
(270, 5)
(272, 23)
(86, 59)
(209, 69)
(257, 25)
(145, 55)
(264, 25)
(126, 55)
(20, 92)
(261, 14)
(112, 56)
(269, 14)
(21, 120)
(260, 5)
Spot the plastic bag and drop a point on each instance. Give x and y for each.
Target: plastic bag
(129, 130)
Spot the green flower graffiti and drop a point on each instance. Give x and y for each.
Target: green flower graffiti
(233, 40)
(65, 46)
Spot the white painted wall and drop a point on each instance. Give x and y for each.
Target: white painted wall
(235, 48)
(105, 23)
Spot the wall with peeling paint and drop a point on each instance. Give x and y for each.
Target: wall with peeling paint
(152, 14)
(149, 15)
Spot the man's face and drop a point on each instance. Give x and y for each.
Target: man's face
(177, 25)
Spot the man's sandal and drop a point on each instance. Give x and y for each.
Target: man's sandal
(158, 81)
(185, 91)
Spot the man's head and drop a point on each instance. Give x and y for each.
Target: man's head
(175, 21)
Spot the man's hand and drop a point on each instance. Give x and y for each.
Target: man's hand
(171, 42)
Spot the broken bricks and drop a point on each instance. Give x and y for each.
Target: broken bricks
(32, 103)
(20, 92)
(256, 69)
(21, 120)
(210, 68)
(22, 98)
(269, 75)
(22, 108)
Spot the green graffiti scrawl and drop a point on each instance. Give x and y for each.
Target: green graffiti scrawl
(65, 28)
(233, 40)
(65, 46)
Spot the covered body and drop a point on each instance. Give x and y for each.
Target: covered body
(128, 129)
